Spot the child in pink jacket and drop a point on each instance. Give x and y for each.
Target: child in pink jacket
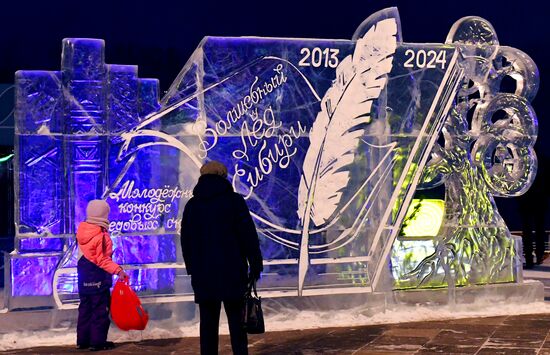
(95, 270)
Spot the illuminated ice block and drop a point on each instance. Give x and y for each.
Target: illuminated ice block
(67, 127)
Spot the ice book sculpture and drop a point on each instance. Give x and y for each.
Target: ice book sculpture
(327, 140)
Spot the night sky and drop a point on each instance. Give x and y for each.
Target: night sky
(159, 36)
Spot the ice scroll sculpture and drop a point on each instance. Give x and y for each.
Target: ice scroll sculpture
(328, 140)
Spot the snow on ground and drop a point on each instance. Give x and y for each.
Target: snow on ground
(288, 320)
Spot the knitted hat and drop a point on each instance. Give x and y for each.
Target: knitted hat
(97, 212)
(214, 168)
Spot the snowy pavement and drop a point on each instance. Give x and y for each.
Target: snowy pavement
(523, 334)
(405, 328)
(476, 328)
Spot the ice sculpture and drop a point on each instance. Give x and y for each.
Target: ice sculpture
(328, 140)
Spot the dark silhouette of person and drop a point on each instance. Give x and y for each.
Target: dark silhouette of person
(533, 206)
(219, 241)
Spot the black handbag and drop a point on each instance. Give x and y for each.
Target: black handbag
(253, 316)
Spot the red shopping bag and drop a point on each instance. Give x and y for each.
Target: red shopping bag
(126, 310)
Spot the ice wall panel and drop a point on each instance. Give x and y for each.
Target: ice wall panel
(83, 73)
(145, 249)
(148, 91)
(40, 184)
(39, 104)
(33, 275)
(122, 97)
(33, 244)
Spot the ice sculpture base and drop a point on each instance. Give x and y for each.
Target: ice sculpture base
(12, 296)
(526, 292)
(372, 303)
(28, 302)
(37, 320)
(367, 304)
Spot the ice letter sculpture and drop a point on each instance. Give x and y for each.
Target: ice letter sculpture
(328, 140)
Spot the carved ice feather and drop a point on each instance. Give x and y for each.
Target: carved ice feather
(339, 126)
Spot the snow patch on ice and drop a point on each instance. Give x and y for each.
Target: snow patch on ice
(285, 320)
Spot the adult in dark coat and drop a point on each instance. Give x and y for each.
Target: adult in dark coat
(219, 241)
